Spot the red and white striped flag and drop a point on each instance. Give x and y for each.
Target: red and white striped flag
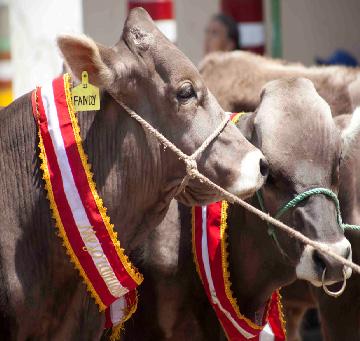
(249, 16)
(162, 12)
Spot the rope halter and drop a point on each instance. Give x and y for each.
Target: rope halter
(293, 203)
(190, 160)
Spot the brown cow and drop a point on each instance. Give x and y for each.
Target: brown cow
(41, 295)
(291, 126)
(246, 73)
(340, 317)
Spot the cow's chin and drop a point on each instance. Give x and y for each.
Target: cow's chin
(317, 281)
(194, 194)
(192, 197)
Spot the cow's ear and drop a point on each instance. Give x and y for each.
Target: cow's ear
(351, 135)
(82, 54)
(246, 125)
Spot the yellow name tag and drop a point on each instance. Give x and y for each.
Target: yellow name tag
(86, 97)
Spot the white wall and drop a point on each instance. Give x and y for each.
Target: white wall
(317, 27)
(310, 28)
(192, 17)
(34, 26)
(103, 20)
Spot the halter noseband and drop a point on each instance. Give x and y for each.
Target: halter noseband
(293, 203)
(298, 199)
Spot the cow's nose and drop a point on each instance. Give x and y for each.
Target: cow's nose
(347, 252)
(334, 269)
(264, 167)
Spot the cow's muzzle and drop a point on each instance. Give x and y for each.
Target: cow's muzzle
(320, 269)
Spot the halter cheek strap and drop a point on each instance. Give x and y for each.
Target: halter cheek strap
(270, 230)
(190, 161)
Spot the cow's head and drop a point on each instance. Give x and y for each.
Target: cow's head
(154, 78)
(294, 129)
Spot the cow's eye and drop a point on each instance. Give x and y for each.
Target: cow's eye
(185, 92)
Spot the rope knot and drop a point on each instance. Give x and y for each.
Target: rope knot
(191, 166)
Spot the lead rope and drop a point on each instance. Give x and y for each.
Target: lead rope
(194, 173)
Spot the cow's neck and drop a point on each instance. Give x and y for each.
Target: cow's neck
(257, 268)
(130, 169)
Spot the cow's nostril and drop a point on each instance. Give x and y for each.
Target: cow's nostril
(347, 252)
(264, 167)
(318, 260)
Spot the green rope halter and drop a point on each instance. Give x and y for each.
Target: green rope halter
(299, 198)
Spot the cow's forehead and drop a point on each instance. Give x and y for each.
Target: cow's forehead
(145, 39)
(296, 131)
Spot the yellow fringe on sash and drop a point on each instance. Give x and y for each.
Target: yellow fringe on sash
(281, 312)
(131, 270)
(193, 242)
(225, 266)
(116, 330)
(56, 216)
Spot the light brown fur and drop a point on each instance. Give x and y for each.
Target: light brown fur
(246, 73)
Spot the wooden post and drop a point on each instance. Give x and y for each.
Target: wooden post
(276, 37)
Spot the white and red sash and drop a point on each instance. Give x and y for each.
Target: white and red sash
(80, 215)
(211, 259)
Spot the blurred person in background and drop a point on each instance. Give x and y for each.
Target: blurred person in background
(221, 34)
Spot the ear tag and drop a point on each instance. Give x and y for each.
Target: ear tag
(86, 97)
